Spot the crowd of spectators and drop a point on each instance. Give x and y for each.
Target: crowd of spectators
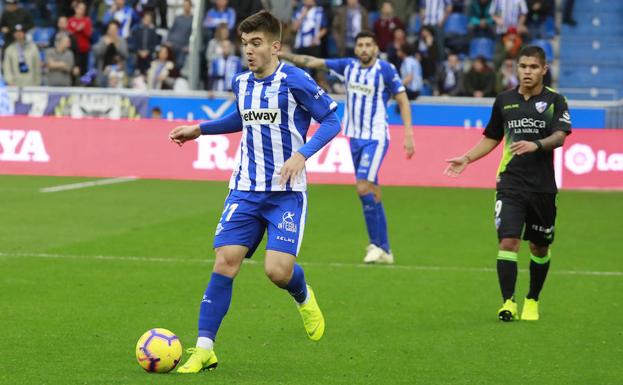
(440, 47)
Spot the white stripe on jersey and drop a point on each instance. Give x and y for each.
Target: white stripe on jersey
(297, 140)
(258, 148)
(244, 182)
(275, 132)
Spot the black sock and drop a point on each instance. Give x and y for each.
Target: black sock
(538, 273)
(507, 276)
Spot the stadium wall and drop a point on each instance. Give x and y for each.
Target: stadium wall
(591, 159)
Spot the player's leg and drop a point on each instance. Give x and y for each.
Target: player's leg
(237, 235)
(372, 153)
(540, 233)
(509, 221)
(285, 230)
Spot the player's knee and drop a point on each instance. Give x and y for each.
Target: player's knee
(510, 244)
(226, 264)
(363, 187)
(278, 274)
(538, 251)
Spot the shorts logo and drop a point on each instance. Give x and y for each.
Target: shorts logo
(498, 222)
(285, 239)
(365, 160)
(540, 106)
(287, 222)
(219, 228)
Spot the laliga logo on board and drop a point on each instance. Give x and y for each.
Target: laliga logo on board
(581, 159)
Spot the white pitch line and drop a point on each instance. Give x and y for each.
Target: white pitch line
(76, 186)
(316, 264)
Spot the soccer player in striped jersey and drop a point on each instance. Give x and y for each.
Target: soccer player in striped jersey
(275, 104)
(370, 82)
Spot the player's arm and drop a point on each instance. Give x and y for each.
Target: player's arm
(305, 61)
(225, 125)
(405, 113)
(458, 164)
(493, 135)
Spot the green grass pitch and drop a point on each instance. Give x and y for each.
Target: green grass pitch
(84, 273)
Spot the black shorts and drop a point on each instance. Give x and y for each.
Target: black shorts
(536, 210)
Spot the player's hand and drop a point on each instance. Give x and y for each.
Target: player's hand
(409, 147)
(456, 166)
(523, 147)
(291, 169)
(182, 134)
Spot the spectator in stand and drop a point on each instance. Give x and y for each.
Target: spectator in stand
(246, 8)
(13, 15)
(428, 48)
(178, 37)
(224, 67)
(506, 77)
(481, 24)
(410, 71)
(508, 47)
(449, 77)
(480, 79)
(162, 73)
(144, 6)
(143, 42)
(459, 6)
(59, 61)
(567, 13)
(508, 14)
(214, 49)
(108, 51)
(220, 13)
(82, 29)
(62, 28)
(385, 25)
(538, 12)
(22, 63)
(124, 15)
(115, 73)
(349, 19)
(310, 24)
(434, 14)
(400, 38)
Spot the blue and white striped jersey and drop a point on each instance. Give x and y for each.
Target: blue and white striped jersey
(411, 66)
(276, 112)
(434, 11)
(367, 93)
(222, 72)
(510, 10)
(312, 23)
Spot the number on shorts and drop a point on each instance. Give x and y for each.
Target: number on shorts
(231, 209)
(498, 208)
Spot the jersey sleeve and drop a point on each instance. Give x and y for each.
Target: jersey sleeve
(495, 127)
(392, 79)
(338, 65)
(561, 120)
(311, 97)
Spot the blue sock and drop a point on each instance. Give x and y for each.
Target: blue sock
(371, 217)
(297, 286)
(384, 241)
(214, 305)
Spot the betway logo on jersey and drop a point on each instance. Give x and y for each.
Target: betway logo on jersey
(22, 146)
(360, 88)
(261, 116)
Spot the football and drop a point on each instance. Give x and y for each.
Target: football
(158, 350)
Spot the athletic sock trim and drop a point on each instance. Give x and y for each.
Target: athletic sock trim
(507, 255)
(541, 260)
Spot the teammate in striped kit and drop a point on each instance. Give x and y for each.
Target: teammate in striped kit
(275, 104)
(370, 82)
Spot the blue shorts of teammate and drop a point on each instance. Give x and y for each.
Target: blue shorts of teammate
(368, 156)
(248, 214)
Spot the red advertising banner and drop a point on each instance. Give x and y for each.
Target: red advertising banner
(591, 159)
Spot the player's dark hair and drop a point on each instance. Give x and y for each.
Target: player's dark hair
(363, 34)
(262, 21)
(533, 51)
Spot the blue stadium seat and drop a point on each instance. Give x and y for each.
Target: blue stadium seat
(456, 23)
(413, 28)
(547, 47)
(550, 27)
(42, 35)
(372, 18)
(481, 46)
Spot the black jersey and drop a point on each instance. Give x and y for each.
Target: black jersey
(513, 119)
